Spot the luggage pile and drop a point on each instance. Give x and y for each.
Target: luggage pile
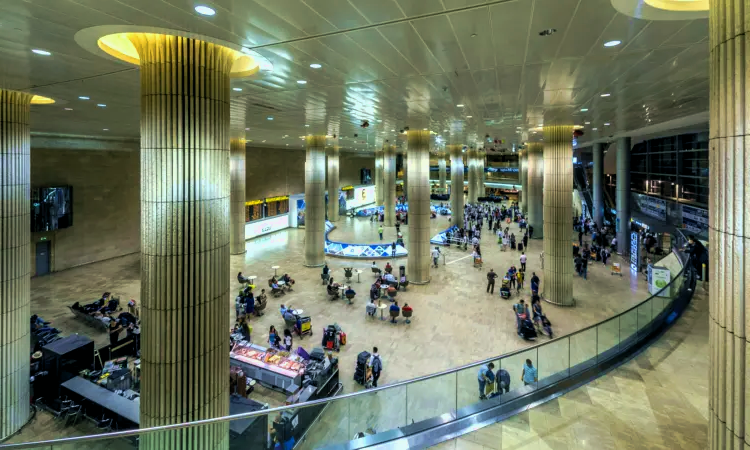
(362, 373)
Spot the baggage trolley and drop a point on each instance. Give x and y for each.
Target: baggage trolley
(616, 269)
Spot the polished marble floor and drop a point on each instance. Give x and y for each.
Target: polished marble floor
(658, 400)
(455, 322)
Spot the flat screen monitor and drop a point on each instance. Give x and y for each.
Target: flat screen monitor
(51, 208)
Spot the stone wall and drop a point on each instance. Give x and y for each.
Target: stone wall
(106, 204)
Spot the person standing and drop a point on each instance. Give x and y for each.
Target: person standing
(482, 378)
(523, 261)
(605, 255)
(491, 275)
(584, 267)
(502, 378)
(534, 283)
(393, 249)
(435, 256)
(531, 232)
(376, 365)
(580, 238)
(380, 232)
(529, 374)
(519, 280)
(525, 240)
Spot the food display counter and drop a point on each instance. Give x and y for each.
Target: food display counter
(269, 366)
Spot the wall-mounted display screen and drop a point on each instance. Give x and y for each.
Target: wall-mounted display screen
(51, 208)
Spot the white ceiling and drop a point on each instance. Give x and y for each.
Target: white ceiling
(395, 63)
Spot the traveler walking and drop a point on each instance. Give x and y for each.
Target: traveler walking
(529, 374)
(523, 261)
(380, 232)
(491, 275)
(483, 378)
(376, 365)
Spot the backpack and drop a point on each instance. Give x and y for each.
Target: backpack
(377, 364)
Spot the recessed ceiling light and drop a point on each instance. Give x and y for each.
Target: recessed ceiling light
(595, 129)
(287, 145)
(424, 129)
(315, 66)
(105, 129)
(393, 130)
(518, 128)
(445, 131)
(246, 129)
(606, 124)
(83, 97)
(540, 125)
(469, 117)
(460, 105)
(39, 51)
(101, 105)
(301, 82)
(587, 123)
(264, 140)
(606, 94)
(269, 118)
(584, 109)
(204, 10)
(237, 89)
(612, 43)
(68, 109)
(307, 126)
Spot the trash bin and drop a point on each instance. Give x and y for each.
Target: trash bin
(401, 271)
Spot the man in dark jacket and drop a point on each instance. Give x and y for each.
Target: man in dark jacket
(491, 275)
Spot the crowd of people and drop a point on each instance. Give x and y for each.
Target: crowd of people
(493, 383)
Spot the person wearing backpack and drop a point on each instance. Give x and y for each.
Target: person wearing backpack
(376, 365)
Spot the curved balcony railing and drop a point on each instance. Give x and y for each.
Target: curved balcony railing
(395, 411)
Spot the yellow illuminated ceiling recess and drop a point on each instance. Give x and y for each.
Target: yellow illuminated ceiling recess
(39, 100)
(120, 46)
(679, 5)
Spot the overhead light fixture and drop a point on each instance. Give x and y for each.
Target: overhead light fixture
(595, 129)
(307, 126)
(606, 124)
(540, 125)
(587, 123)
(584, 109)
(269, 118)
(393, 130)
(246, 129)
(105, 129)
(39, 51)
(83, 97)
(237, 89)
(68, 109)
(519, 128)
(204, 10)
(469, 117)
(445, 131)
(101, 105)
(287, 145)
(264, 140)
(606, 94)
(315, 66)
(612, 43)
(460, 105)
(301, 82)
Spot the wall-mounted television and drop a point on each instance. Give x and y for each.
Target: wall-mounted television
(51, 208)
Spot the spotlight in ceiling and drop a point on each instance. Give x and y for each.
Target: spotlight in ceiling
(595, 129)
(605, 94)
(237, 89)
(39, 51)
(269, 118)
(460, 105)
(83, 97)
(584, 109)
(68, 109)
(246, 129)
(307, 126)
(587, 123)
(105, 129)
(101, 105)
(606, 124)
(612, 43)
(264, 140)
(547, 32)
(315, 66)
(301, 82)
(204, 10)
(469, 117)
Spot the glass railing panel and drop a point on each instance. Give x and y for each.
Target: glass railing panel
(515, 365)
(378, 411)
(582, 350)
(628, 328)
(430, 398)
(607, 338)
(332, 427)
(554, 361)
(645, 314)
(467, 385)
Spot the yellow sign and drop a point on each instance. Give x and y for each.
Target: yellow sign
(277, 199)
(347, 188)
(253, 202)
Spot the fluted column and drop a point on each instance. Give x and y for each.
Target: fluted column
(405, 161)
(315, 202)
(623, 195)
(471, 162)
(333, 184)
(15, 260)
(729, 220)
(523, 175)
(418, 264)
(558, 215)
(185, 189)
(535, 184)
(457, 184)
(389, 185)
(598, 207)
(442, 173)
(237, 195)
(379, 192)
(481, 159)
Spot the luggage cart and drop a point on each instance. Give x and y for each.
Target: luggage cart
(616, 269)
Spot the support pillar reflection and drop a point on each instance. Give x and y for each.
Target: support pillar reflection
(389, 185)
(405, 161)
(315, 202)
(379, 192)
(481, 159)
(558, 214)
(457, 184)
(442, 172)
(333, 184)
(598, 207)
(185, 189)
(15, 263)
(623, 195)
(471, 161)
(418, 264)
(729, 225)
(535, 182)
(237, 153)
(524, 176)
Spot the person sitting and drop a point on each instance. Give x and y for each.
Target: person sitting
(374, 291)
(282, 310)
(371, 308)
(375, 268)
(241, 279)
(262, 297)
(325, 269)
(388, 267)
(288, 281)
(349, 292)
(389, 277)
(395, 310)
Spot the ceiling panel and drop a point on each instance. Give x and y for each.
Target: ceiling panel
(510, 31)
(438, 35)
(548, 14)
(340, 13)
(379, 11)
(474, 34)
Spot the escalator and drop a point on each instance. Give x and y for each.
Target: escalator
(585, 190)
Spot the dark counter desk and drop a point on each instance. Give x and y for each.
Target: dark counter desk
(120, 406)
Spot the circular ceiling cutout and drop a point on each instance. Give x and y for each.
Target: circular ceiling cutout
(40, 100)
(113, 42)
(663, 9)
(679, 5)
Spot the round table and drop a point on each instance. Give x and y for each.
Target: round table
(298, 312)
(358, 272)
(252, 279)
(274, 269)
(343, 289)
(281, 282)
(384, 291)
(382, 308)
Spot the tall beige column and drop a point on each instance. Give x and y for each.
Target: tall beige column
(237, 177)
(558, 215)
(523, 175)
(389, 185)
(379, 192)
(418, 264)
(333, 184)
(184, 238)
(471, 162)
(535, 182)
(442, 173)
(15, 260)
(457, 184)
(481, 159)
(405, 161)
(315, 202)
(729, 219)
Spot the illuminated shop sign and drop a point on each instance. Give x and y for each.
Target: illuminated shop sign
(635, 250)
(347, 188)
(277, 199)
(265, 226)
(253, 202)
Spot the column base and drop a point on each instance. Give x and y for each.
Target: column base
(420, 283)
(239, 253)
(559, 304)
(314, 265)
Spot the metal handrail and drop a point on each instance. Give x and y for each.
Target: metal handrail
(216, 420)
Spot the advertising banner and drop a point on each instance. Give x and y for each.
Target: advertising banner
(694, 219)
(658, 278)
(652, 206)
(265, 226)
